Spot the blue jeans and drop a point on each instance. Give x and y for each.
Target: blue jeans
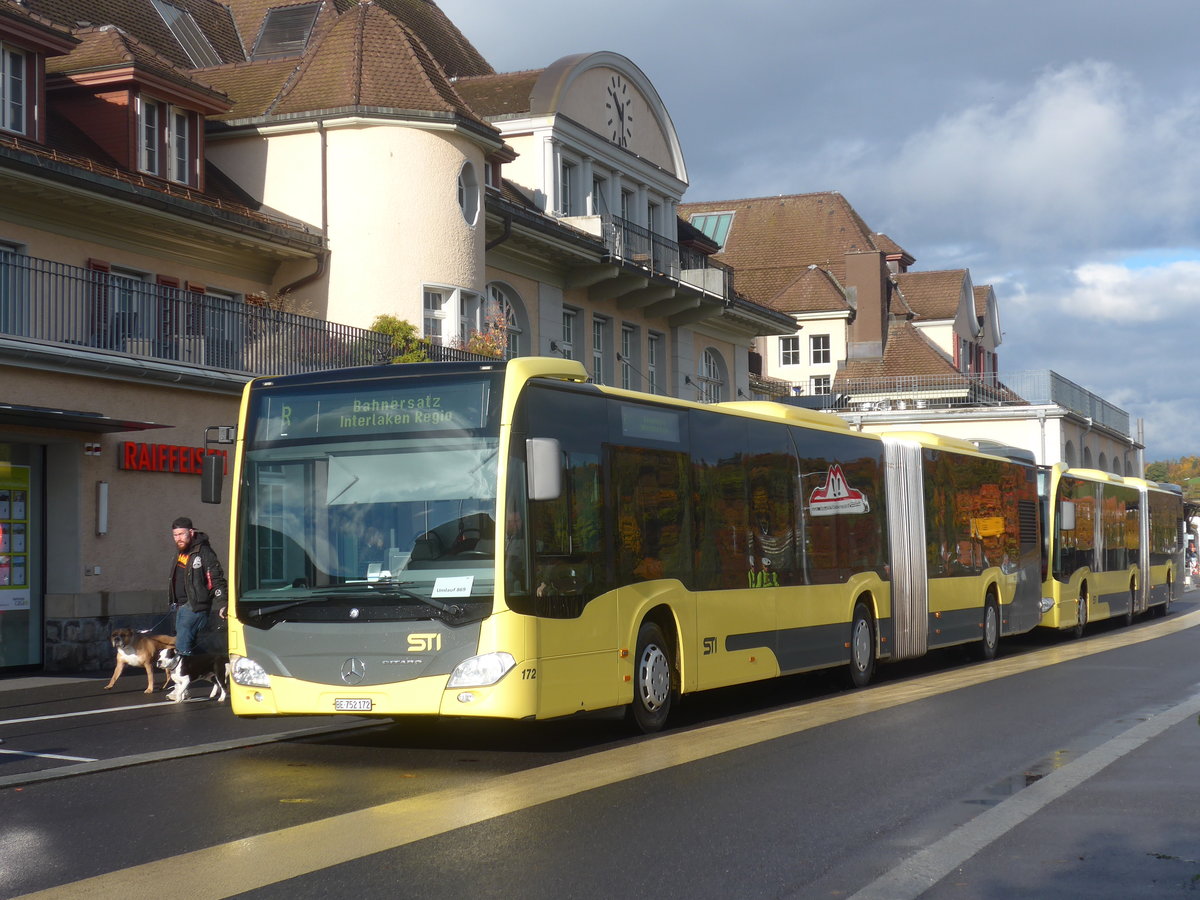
(188, 625)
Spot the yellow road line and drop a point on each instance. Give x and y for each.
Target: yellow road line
(259, 860)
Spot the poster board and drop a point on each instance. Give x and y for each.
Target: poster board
(14, 537)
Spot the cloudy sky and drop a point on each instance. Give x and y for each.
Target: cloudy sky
(1052, 147)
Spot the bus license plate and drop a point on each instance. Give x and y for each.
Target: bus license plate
(355, 704)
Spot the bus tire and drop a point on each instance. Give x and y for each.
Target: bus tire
(1081, 622)
(1162, 609)
(862, 646)
(989, 639)
(654, 680)
(1128, 618)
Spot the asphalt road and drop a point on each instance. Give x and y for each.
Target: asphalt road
(1062, 769)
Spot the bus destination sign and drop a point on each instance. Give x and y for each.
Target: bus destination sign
(372, 410)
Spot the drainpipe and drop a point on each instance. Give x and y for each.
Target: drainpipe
(323, 258)
(322, 265)
(504, 235)
(1042, 428)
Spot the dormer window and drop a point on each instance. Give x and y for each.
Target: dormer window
(13, 89)
(166, 144)
(285, 31)
(188, 34)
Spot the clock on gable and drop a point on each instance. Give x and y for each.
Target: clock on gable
(619, 106)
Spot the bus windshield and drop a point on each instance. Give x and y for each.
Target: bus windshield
(347, 499)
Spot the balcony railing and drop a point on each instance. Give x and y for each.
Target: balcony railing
(639, 245)
(48, 301)
(1031, 388)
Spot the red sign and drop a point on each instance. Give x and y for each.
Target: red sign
(164, 458)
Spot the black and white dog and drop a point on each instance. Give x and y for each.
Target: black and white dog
(195, 667)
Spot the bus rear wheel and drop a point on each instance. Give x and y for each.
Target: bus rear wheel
(1165, 607)
(654, 682)
(862, 646)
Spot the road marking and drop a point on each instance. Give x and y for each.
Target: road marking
(923, 870)
(85, 712)
(85, 759)
(259, 860)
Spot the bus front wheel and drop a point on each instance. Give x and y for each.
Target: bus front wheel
(1081, 621)
(654, 684)
(862, 647)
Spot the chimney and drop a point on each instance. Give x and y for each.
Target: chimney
(867, 287)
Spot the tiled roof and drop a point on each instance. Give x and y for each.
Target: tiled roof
(980, 294)
(454, 54)
(891, 249)
(108, 47)
(772, 240)
(499, 95)
(814, 290)
(139, 17)
(908, 352)
(16, 13)
(933, 295)
(253, 87)
(365, 58)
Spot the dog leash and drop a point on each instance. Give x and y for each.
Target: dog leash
(156, 624)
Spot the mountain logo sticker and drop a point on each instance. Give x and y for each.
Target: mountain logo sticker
(836, 498)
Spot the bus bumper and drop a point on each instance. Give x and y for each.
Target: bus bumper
(512, 697)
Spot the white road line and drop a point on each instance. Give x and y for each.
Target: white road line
(49, 756)
(923, 870)
(94, 712)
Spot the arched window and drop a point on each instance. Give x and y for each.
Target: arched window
(711, 377)
(506, 313)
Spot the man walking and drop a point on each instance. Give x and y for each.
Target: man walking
(197, 581)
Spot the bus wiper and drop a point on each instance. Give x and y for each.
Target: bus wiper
(450, 609)
(375, 587)
(280, 607)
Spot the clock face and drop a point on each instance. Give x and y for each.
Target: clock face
(619, 106)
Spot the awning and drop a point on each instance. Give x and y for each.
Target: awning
(69, 419)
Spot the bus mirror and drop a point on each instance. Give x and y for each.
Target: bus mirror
(1066, 516)
(543, 458)
(211, 476)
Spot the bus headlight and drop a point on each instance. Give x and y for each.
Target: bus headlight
(246, 671)
(1046, 605)
(480, 671)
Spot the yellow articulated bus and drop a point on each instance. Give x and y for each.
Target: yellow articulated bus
(1114, 546)
(508, 540)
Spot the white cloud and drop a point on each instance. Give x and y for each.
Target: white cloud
(1120, 294)
(1082, 161)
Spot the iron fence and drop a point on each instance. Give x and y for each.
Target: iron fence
(1030, 388)
(104, 310)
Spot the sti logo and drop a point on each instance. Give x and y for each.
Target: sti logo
(836, 497)
(424, 643)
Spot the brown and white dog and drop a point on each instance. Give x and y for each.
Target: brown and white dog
(134, 649)
(184, 670)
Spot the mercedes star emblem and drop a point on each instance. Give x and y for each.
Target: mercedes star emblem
(354, 670)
